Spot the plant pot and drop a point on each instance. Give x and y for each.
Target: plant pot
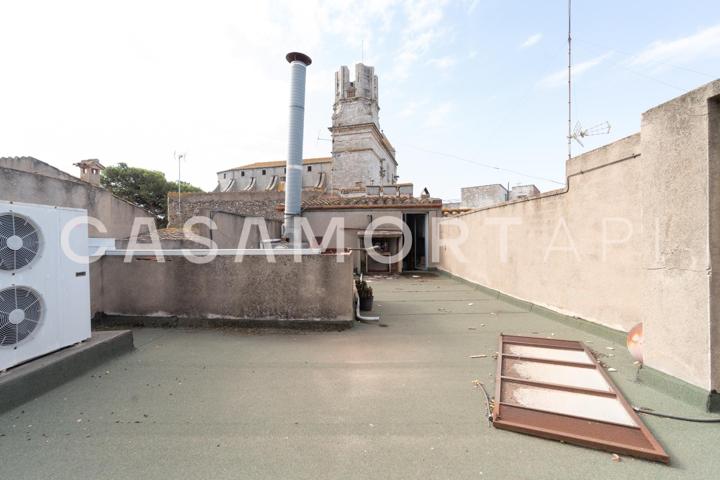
(366, 303)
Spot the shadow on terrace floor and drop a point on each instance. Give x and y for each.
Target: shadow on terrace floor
(395, 402)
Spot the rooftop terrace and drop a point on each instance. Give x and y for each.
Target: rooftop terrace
(394, 402)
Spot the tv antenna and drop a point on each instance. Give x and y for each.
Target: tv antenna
(579, 132)
(319, 138)
(569, 125)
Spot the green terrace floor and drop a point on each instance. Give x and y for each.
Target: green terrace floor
(370, 402)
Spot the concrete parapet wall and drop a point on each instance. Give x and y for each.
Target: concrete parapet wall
(117, 215)
(632, 239)
(33, 165)
(317, 288)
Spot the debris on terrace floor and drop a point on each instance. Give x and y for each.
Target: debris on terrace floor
(556, 389)
(281, 402)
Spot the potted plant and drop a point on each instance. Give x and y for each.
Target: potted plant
(365, 293)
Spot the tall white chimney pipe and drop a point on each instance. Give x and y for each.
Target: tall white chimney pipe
(293, 176)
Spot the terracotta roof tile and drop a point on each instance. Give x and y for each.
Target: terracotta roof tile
(331, 202)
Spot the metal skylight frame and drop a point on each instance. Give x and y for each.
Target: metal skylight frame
(635, 440)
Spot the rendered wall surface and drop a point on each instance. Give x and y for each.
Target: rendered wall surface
(714, 236)
(540, 264)
(29, 180)
(678, 182)
(316, 288)
(33, 165)
(634, 238)
(117, 215)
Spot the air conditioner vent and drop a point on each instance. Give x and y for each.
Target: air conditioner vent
(20, 314)
(19, 242)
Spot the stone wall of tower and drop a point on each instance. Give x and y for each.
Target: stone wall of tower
(362, 155)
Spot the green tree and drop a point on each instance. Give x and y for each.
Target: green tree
(145, 188)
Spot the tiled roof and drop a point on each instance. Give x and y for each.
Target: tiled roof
(333, 202)
(91, 162)
(451, 212)
(281, 163)
(169, 233)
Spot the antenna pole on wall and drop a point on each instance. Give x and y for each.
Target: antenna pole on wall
(179, 157)
(569, 126)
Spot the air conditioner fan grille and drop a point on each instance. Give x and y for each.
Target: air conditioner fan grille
(19, 242)
(20, 314)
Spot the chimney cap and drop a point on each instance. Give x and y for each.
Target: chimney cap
(298, 57)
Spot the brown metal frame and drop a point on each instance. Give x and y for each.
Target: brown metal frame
(636, 441)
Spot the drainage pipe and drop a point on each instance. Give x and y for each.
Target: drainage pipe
(357, 308)
(361, 317)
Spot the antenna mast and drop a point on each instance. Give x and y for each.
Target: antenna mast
(179, 157)
(569, 126)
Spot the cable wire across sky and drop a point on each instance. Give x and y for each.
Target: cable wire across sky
(485, 165)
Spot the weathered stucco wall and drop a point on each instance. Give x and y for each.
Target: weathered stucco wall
(230, 230)
(28, 180)
(316, 288)
(627, 242)
(678, 169)
(117, 215)
(33, 165)
(714, 216)
(536, 269)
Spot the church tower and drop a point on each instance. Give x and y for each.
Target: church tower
(362, 155)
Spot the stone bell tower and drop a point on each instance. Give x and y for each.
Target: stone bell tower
(362, 155)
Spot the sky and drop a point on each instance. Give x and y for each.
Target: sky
(472, 92)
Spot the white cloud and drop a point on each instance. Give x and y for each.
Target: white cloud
(355, 25)
(134, 84)
(560, 77)
(532, 40)
(411, 109)
(471, 5)
(438, 116)
(705, 43)
(422, 30)
(443, 63)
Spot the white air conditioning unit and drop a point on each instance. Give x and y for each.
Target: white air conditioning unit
(44, 293)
